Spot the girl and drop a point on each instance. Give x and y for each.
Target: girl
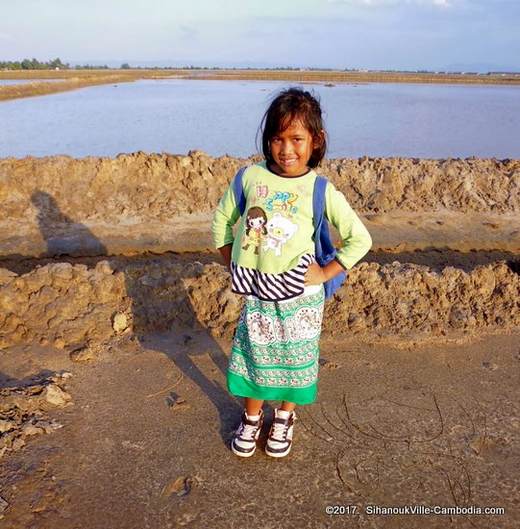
(275, 349)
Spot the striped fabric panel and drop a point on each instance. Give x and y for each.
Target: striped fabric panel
(270, 287)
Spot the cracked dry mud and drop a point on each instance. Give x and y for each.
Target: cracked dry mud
(115, 326)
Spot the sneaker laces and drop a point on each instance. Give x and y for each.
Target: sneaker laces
(279, 431)
(247, 431)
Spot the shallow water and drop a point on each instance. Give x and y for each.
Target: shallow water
(219, 117)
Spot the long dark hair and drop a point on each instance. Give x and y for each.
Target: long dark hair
(288, 105)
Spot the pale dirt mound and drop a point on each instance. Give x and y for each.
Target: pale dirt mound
(159, 203)
(50, 206)
(67, 305)
(61, 303)
(161, 186)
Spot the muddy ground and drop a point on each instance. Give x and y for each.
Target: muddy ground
(144, 442)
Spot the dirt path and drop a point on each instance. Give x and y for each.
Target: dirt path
(395, 232)
(144, 443)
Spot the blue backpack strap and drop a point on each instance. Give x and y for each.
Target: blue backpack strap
(238, 189)
(324, 249)
(318, 210)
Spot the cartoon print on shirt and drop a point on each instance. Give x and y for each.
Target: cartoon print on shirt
(256, 220)
(279, 230)
(262, 191)
(282, 201)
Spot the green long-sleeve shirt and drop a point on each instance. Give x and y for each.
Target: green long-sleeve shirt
(277, 227)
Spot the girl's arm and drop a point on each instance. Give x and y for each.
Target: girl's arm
(316, 275)
(356, 240)
(225, 251)
(224, 219)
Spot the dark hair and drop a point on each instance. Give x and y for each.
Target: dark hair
(288, 105)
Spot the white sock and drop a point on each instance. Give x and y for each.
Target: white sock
(284, 414)
(253, 417)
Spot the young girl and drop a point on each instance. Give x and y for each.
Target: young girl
(275, 349)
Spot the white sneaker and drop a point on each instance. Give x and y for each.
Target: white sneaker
(280, 436)
(243, 443)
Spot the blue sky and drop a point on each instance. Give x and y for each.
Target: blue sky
(376, 34)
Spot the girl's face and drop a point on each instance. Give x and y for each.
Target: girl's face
(291, 149)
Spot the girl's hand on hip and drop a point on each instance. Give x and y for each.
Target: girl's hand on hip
(315, 275)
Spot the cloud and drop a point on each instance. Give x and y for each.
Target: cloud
(188, 31)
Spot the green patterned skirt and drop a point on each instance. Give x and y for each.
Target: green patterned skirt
(275, 350)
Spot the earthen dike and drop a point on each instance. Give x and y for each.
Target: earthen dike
(93, 248)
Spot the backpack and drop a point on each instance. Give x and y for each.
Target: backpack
(324, 250)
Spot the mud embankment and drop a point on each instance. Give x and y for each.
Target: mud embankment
(71, 306)
(42, 88)
(158, 203)
(58, 211)
(71, 80)
(161, 186)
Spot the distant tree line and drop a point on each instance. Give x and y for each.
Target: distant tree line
(91, 67)
(33, 64)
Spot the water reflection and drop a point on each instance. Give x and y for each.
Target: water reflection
(221, 117)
